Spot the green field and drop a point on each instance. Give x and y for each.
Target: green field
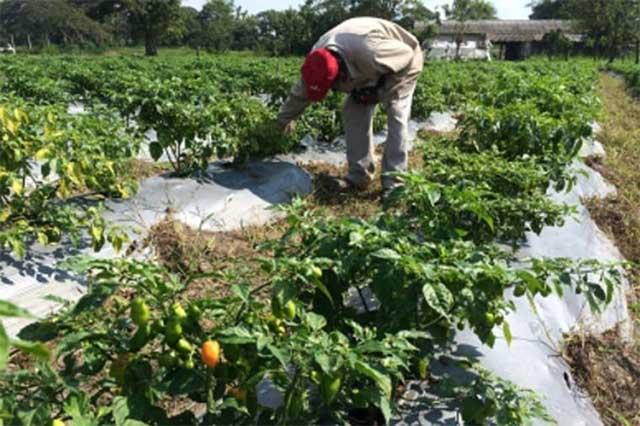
(129, 351)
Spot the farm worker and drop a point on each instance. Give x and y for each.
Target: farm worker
(374, 61)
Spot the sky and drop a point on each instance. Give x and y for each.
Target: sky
(507, 9)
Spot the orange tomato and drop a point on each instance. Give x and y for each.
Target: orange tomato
(211, 353)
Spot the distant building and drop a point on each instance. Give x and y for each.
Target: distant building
(516, 39)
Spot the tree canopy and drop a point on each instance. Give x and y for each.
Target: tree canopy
(610, 26)
(550, 9)
(468, 10)
(220, 25)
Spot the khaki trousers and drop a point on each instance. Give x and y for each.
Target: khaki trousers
(358, 125)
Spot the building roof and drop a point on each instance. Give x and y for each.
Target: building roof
(514, 30)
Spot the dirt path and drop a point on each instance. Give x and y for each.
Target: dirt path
(606, 367)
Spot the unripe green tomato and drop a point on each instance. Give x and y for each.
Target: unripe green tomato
(140, 312)
(316, 272)
(490, 318)
(184, 346)
(178, 312)
(173, 331)
(329, 388)
(519, 291)
(57, 422)
(168, 359)
(290, 310)
(195, 313)
(189, 364)
(276, 310)
(315, 377)
(158, 327)
(140, 338)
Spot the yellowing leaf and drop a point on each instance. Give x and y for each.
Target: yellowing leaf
(63, 190)
(11, 126)
(96, 233)
(73, 173)
(16, 186)
(123, 191)
(506, 330)
(42, 154)
(43, 239)
(4, 215)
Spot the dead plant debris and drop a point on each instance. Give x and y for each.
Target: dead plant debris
(609, 370)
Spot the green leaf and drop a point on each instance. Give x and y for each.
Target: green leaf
(233, 404)
(506, 330)
(385, 407)
(387, 254)
(237, 336)
(4, 347)
(8, 309)
(120, 411)
(280, 355)
(434, 195)
(324, 362)
(383, 381)
(132, 422)
(533, 283)
(77, 406)
(314, 321)
(155, 149)
(37, 349)
(438, 297)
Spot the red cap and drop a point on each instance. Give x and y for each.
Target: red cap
(319, 71)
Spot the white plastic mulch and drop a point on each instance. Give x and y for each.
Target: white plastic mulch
(225, 199)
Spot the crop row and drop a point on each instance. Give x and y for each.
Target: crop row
(225, 106)
(128, 352)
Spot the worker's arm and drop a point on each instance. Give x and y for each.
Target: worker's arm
(294, 106)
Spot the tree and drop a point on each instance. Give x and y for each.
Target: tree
(217, 22)
(283, 32)
(246, 34)
(470, 10)
(610, 26)
(183, 29)
(549, 9)
(149, 20)
(49, 21)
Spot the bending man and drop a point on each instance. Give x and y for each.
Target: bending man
(375, 61)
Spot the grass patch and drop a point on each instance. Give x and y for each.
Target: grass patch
(606, 366)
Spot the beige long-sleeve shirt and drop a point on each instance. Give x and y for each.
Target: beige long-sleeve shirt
(371, 48)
